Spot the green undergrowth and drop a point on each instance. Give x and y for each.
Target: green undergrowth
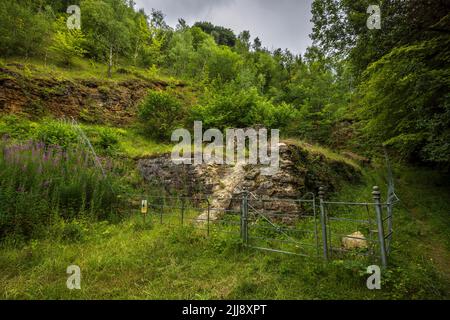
(420, 254)
(137, 260)
(128, 259)
(108, 141)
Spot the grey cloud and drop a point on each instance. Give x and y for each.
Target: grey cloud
(278, 23)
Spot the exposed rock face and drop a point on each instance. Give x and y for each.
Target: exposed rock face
(300, 172)
(88, 100)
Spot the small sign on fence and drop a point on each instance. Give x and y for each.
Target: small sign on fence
(144, 207)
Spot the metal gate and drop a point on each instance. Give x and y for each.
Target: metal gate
(357, 229)
(304, 227)
(280, 225)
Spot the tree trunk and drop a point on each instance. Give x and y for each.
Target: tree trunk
(110, 64)
(136, 53)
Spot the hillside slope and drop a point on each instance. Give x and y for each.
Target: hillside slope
(35, 90)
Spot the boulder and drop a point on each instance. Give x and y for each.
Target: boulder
(356, 240)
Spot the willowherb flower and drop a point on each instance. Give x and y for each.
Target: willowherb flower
(46, 156)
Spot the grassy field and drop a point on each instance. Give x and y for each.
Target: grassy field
(133, 260)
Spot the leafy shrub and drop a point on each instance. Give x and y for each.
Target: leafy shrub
(105, 140)
(241, 109)
(161, 112)
(15, 127)
(109, 138)
(23, 31)
(56, 133)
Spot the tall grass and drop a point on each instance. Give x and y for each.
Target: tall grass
(41, 183)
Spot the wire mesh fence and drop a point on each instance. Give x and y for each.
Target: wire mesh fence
(306, 226)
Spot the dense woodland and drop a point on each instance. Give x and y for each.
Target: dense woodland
(354, 88)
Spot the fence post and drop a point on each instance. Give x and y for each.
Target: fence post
(379, 210)
(182, 210)
(323, 221)
(209, 213)
(244, 215)
(389, 237)
(162, 204)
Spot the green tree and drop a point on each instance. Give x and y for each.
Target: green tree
(141, 36)
(243, 42)
(108, 28)
(24, 31)
(340, 27)
(67, 44)
(401, 71)
(257, 44)
(182, 24)
(405, 101)
(319, 90)
(221, 62)
(222, 36)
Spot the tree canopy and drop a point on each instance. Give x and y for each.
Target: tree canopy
(354, 87)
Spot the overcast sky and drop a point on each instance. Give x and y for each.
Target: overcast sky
(278, 23)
